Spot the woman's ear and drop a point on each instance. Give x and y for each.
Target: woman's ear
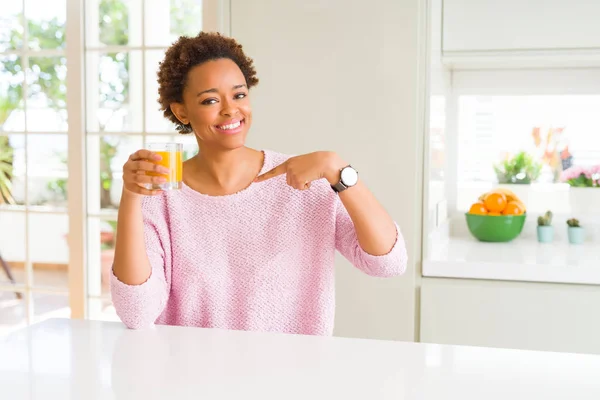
(179, 110)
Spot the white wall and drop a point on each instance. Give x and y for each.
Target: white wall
(343, 75)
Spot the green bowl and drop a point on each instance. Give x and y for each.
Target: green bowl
(495, 228)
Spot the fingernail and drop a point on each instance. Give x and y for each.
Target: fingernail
(164, 170)
(157, 157)
(162, 180)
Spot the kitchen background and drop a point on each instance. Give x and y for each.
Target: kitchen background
(515, 94)
(508, 93)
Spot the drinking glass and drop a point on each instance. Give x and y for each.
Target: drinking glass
(172, 158)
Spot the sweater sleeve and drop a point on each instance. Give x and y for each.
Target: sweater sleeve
(390, 264)
(138, 306)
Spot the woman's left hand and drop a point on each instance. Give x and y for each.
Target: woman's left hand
(302, 170)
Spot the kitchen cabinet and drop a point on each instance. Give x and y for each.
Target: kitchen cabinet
(485, 25)
(531, 316)
(532, 33)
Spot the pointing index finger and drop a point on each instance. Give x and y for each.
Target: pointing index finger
(278, 170)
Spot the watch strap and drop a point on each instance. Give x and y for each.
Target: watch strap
(339, 187)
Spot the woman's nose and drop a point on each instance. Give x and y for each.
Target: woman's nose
(229, 108)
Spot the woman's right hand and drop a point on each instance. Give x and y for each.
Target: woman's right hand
(136, 173)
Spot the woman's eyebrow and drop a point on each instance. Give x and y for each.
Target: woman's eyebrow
(214, 90)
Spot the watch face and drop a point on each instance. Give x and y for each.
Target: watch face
(349, 176)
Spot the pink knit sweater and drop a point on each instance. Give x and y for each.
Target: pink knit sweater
(260, 259)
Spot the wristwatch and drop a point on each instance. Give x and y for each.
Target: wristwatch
(348, 178)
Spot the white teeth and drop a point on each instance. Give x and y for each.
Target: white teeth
(230, 126)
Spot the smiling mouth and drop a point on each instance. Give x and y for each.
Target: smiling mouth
(231, 127)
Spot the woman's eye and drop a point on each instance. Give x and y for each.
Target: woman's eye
(240, 96)
(209, 101)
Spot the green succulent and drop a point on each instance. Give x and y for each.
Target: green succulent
(546, 219)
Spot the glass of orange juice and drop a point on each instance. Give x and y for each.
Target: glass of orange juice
(172, 158)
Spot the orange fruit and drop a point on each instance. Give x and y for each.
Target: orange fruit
(494, 214)
(478, 208)
(513, 208)
(495, 202)
(521, 205)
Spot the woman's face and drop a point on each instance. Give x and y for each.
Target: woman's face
(216, 103)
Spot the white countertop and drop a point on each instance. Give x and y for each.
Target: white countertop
(519, 260)
(87, 360)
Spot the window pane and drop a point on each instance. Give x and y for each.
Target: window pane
(12, 169)
(46, 23)
(123, 147)
(555, 131)
(155, 121)
(49, 250)
(113, 23)
(47, 170)
(11, 25)
(50, 306)
(12, 246)
(12, 117)
(12, 312)
(105, 158)
(47, 94)
(190, 145)
(114, 87)
(185, 18)
(102, 235)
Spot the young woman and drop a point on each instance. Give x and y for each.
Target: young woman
(249, 241)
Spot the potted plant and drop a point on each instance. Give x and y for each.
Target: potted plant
(545, 230)
(584, 188)
(6, 171)
(520, 169)
(575, 232)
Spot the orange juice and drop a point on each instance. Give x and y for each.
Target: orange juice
(172, 159)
